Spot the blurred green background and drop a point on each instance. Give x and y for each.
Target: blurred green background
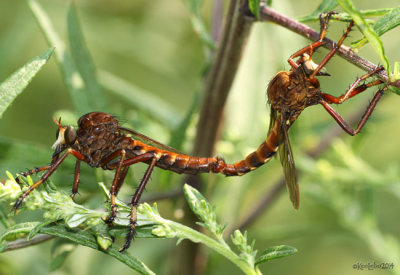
(349, 195)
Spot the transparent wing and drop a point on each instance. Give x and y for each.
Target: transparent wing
(149, 141)
(287, 161)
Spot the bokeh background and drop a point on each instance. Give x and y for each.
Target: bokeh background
(349, 194)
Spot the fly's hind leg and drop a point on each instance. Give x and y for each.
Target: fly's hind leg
(135, 202)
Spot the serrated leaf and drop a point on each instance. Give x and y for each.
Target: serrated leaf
(387, 22)
(275, 252)
(16, 83)
(197, 202)
(367, 30)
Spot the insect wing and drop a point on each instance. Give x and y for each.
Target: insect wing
(149, 141)
(287, 161)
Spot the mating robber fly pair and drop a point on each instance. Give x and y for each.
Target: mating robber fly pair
(101, 141)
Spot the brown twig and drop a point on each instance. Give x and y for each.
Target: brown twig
(220, 77)
(218, 83)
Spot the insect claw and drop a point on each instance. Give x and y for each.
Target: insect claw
(130, 236)
(18, 179)
(16, 205)
(109, 221)
(73, 195)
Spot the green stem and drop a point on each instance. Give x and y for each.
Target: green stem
(221, 248)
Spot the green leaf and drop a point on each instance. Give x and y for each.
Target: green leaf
(254, 6)
(140, 99)
(60, 250)
(3, 246)
(394, 89)
(18, 231)
(275, 252)
(367, 30)
(247, 252)
(198, 23)
(83, 238)
(142, 232)
(326, 5)
(197, 203)
(83, 61)
(387, 22)
(72, 78)
(345, 17)
(203, 210)
(395, 78)
(37, 228)
(16, 83)
(169, 228)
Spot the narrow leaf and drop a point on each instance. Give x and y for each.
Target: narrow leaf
(17, 82)
(72, 78)
(3, 246)
(83, 238)
(198, 23)
(84, 63)
(254, 6)
(275, 252)
(394, 89)
(367, 30)
(345, 17)
(141, 99)
(326, 5)
(387, 22)
(60, 250)
(18, 231)
(37, 228)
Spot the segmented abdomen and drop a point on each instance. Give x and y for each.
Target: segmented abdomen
(177, 162)
(181, 163)
(262, 155)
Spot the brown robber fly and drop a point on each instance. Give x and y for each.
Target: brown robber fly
(101, 141)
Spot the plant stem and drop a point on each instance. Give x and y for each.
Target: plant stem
(217, 85)
(221, 76)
